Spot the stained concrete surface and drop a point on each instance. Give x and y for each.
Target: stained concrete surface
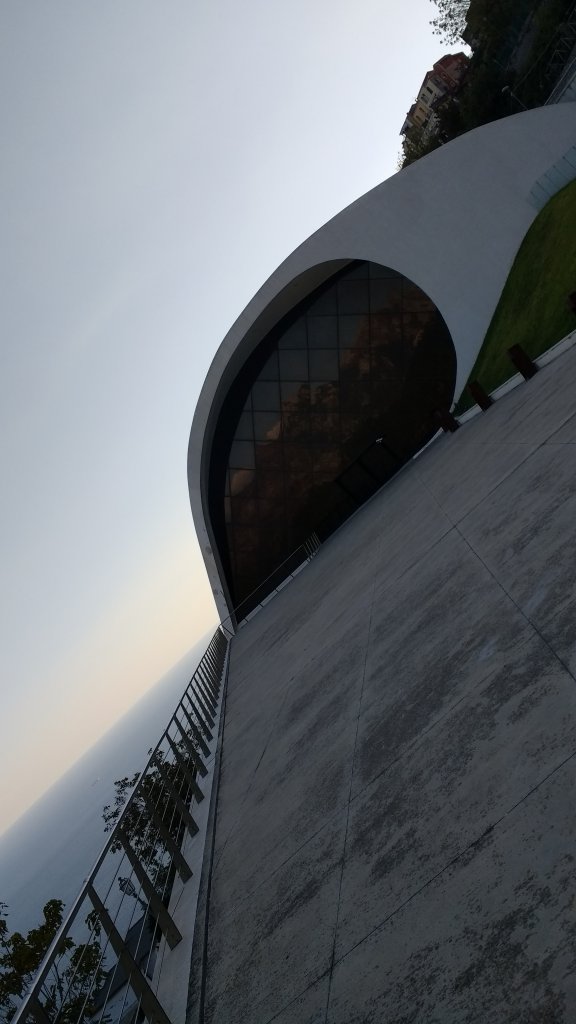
(395, 835)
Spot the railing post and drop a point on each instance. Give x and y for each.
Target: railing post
(183, 811)
(522, 361)
(188, 775)
(182, 866)
(159, 911)
(152, 1009)
(195, 731)
(200, 717)
(193, 753)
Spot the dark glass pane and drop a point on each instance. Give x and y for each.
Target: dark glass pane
(416, 326)
(241, 480)
(271, 485)
(299, 478)
(242, 455)
(294, 394)
(317, 423)
(385, 394)
(358, 482)
(266, 395)
(293, 365)
(266, 426)
(244, 430)
(354, 397)
(385, 330)
(268, 455)
(351, 426)
(267, 511)
(324, 396)
(353, 296)
(388, 363)
(375, 270)
(354, 364)
(244, 510)
(325, 464)
(359, 271)
(270, 369)
(294, 336)
(323, 364)
(324, 303)
(325, 427)
(385, 294)
(297, 457)
(322, 332)
(245, 540)
(353, 330)
(295, 425)
(414, 299)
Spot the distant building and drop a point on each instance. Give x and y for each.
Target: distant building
(443, 80)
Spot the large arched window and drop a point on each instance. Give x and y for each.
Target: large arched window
(365, 358)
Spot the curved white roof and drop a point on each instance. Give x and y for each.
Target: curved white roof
(452, 223)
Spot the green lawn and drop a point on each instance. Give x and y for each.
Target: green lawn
(533, 309)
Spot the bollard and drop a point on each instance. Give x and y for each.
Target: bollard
(522, 361)
(446, 420)
(480, 396)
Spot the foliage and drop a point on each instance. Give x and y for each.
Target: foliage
(136, 804)
(511, 68)
(78, 971)
(533, 308)
(75, 975)
(414, 146)
(535, 81)
(450, 21)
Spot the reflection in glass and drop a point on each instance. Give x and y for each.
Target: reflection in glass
(385, 294)
(266, 395)
(353, 296)
(270, 369)
(366, 356)
(242, 455)
(293, 365)
(322, 331)
(266, 426)
(240, 480)
(245, 429)
(294, 336)
(354, 331)
(324, 364)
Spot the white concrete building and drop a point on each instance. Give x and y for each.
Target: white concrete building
(450, 225)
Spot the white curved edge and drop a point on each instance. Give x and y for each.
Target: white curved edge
(452, 223)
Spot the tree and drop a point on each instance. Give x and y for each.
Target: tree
(74, 978)
(78, 971)
(450, 21)
(151, 806)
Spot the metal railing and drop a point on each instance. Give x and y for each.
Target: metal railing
(99, 967)
(102, 966)
(273, 583)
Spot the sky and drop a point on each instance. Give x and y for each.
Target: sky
(160, 159)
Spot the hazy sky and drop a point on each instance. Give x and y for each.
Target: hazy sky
(159, 160)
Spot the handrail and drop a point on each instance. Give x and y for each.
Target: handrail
(169, 793)
(146, 843)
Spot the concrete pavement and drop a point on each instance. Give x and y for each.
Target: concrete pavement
(395, 837)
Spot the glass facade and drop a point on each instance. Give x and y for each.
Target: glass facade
(334, 401)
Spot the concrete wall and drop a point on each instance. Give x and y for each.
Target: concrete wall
(452, 223)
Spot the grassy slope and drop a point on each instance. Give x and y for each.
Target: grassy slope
(533, 309)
